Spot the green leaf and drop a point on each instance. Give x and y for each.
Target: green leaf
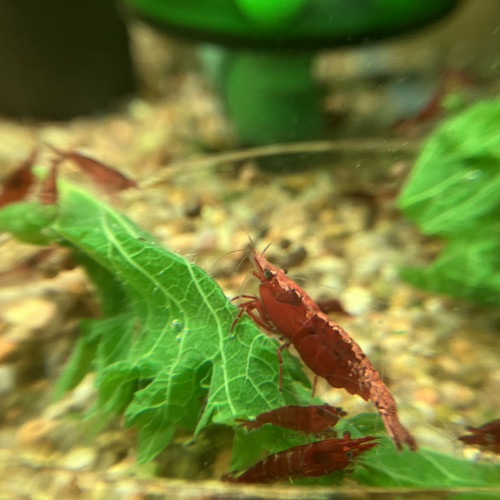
(385, 466)
(28, 221)
(468, 268)
(164, 353)
(454, 185)
(453, 192)
(425, 468)
(78, 365)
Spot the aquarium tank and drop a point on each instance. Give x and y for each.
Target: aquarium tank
(267, 268)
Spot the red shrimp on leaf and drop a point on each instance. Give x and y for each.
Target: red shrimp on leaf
(325, 347)
(309, 419)
(487, 436)
(310, 459)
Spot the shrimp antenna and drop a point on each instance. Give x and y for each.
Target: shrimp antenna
(252, 244)
(275, 237)
(239, 224)
(223, 257)
(268, 245)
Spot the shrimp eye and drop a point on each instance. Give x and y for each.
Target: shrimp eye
(285, 270)
(268, 274)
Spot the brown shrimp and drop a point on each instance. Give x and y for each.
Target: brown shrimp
(487, 436)
(308, 419)
(311, 459)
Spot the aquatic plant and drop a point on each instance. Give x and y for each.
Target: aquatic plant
(452, 194)
(165, 357)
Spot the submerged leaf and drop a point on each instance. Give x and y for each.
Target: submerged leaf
(424, 468)
(464, 269)
(164, 352)
(29, 222)
(454, 185)
(453, 192)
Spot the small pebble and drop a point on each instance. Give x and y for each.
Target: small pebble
(206, 240)
(356, 300)
(79, 399)
(193, 208)
(79, 458)
(463, 351)
(294, 258)
(456, 395)
(7, 349)
(32, 313)
(35, 430)
(427, 395)
(285, 243)
(7, 378)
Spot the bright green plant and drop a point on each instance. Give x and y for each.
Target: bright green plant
(165, 356)
(453, 193)
(163, 352)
